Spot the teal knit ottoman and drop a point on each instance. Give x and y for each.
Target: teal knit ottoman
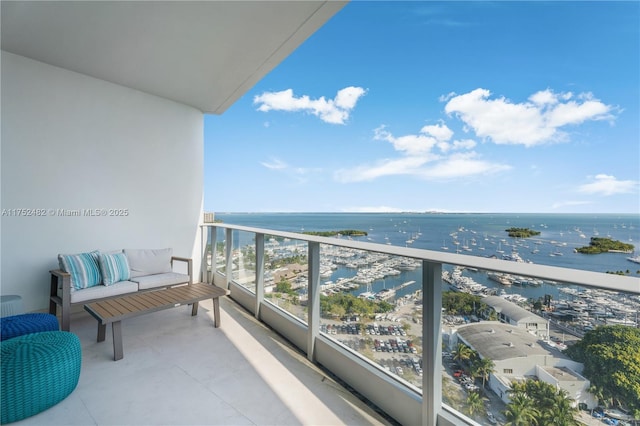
(38, 371)
(17, 325)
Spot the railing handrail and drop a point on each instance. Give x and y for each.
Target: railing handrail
(578, 277)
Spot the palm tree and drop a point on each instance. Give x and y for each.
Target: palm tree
(483, 367)
(521, 412)
(518, 388)
(475, 404)
(561, 413)
(543, 393)
(462, 352)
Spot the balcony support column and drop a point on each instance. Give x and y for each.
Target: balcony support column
(228, 256)
(432, 342)
(259, 273)
(313, 298)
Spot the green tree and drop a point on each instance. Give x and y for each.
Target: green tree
(611, 358)
(474, 404)
(462, 353)
(483, 368)
(456, 303)
(552, 406)
(283, 286)
(561, 412)
(537, 305)
(521, 411)
(338, 311)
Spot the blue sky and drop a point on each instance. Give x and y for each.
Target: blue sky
(452, 106)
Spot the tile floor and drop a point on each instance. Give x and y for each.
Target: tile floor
(180, 370)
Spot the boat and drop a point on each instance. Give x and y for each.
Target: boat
(385, 294)
(634, 259)
(500, 278)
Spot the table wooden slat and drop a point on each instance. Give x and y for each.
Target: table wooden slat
(131, 305)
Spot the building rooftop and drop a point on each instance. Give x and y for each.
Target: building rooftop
(500, 341)
(563, 374)
(512, 310)
(180, 370)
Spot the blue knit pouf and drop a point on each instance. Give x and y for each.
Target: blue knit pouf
(17, 325)
(38, 371)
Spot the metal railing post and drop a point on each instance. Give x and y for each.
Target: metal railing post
(204, 232)
(213, 238)
(228, 257)
(259, 273)
(431, 345)
(313, 298)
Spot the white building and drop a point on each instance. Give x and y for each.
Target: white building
(510, 313)
(519, 355)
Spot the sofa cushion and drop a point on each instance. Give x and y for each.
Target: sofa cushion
(149, 261)
(114, 268)
(160, 280)
(83, 268)
(101, 291)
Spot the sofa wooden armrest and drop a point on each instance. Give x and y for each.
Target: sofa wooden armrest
(61, 280)
(189, 263)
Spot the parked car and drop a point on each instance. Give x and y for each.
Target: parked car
(491, 418)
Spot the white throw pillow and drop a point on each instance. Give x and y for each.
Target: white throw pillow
(149, 261)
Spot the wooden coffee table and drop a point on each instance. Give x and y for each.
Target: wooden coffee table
(132, 305)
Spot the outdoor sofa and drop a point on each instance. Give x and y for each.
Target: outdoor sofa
(88, 277)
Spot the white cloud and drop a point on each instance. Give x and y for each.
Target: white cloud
(298, 175)
(434, 153)
(439, 131)
(427, 167)
(400, 166)
(429, 137)
(275, 164)
(334, 111)
(461, 164)
(608, 185)
(419, 159)
(535, 122)
(464, 144)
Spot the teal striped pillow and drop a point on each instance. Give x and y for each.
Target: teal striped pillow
(114, 267)
(83, 268)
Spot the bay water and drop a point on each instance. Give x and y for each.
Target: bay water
(477, 234)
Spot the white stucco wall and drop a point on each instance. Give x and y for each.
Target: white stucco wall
(74, 142)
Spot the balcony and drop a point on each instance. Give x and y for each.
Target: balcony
(178, 369)
(271, 363)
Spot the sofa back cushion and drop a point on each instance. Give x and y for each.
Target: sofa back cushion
(83, 268)
(114, 268)
(149, 261)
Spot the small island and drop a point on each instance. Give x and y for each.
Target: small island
(521, 232)
(605, 245)
(347, 232)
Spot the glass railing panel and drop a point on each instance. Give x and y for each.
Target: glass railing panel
(219, 250)
(372, 303)
(389, 332)
(488, 314)
(244, 260)
(208, 257)
(285, 275)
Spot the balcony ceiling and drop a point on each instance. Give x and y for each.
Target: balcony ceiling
(204, 54)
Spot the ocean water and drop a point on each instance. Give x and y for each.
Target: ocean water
(480, 234)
